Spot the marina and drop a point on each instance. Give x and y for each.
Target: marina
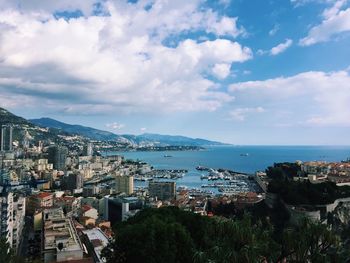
(212, 181)
(198, 163)
(172, 174)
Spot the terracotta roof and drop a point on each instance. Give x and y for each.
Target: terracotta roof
(43, 195)
(86, 208)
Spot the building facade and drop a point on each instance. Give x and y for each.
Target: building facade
(12, 214)
(124, 184)
(60, 238)
(57, 155)
(6, 138)
(162, 190)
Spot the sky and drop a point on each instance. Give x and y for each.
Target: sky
(257, 72)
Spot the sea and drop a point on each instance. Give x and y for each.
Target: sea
(245, 159)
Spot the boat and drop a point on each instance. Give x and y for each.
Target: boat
(244, 154)
(167, 156)
(204, 177)
(201, 168)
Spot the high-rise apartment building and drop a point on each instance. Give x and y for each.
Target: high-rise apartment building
(88, 149)
(57, 155)
(72, 181)
(12, 215)
(124, 184)
(6, 138)
(162, 190)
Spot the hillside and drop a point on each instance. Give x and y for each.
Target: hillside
(7, 117)
(49, 129)
(75, 129)
(21, 126)
(143, 139)
(175, 140)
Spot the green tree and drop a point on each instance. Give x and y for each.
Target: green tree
(312, 242)
(6, 254)
(171, 235)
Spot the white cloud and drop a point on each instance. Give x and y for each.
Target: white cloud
(335, 21)
(225, 26)
(85, 6)
(115, 126)
(281, 47)
(240, 114)
(143, 129)
(118, 62)
(334, 9)
(221, 71)
(315, 98)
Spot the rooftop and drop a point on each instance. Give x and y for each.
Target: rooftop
(98, 240)
(59, 229)
(43, 195)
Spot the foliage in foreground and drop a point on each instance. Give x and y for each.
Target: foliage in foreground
(171, 235)
(7, 255)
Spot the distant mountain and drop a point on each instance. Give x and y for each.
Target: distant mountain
(75, 129)
(7, 117)
(22, 126)
(175, 140)
(146, 139)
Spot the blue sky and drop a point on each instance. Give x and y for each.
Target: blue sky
(273, 72)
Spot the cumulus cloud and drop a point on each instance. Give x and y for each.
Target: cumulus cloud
(314, 98)
(281, 47)
(240, 114)
(336, 20)
(117, 62)
(334, 9)
(221, 71)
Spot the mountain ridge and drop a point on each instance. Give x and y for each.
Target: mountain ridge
(146, 138)
(50, 128)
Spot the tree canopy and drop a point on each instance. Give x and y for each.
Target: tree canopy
(171, 235)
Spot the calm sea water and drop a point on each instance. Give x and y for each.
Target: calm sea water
(229, 157)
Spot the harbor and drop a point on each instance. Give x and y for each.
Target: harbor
(209, 181)
(172, 174)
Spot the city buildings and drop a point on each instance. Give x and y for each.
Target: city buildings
(95, 241)
(72, 181)
(162, 190)
(88, 149)
(6, 138)
(12, 214)
(57, 155)
(89, 211)
(124, 184)
(119, 208)
(39, 201)
(60, 238)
